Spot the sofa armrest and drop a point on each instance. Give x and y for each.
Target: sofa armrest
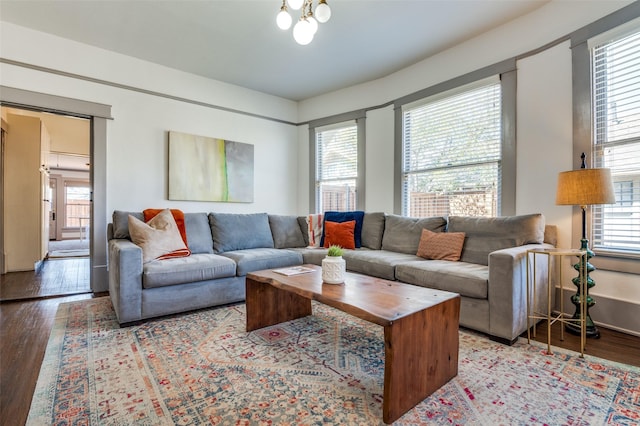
(507, 290)
(125, 279)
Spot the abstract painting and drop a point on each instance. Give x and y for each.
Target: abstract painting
(209, 169)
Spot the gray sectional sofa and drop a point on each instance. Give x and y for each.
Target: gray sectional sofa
(490, 276)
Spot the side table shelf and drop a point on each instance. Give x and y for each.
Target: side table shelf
(552, 318)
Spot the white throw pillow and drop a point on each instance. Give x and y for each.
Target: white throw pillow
(158, 237)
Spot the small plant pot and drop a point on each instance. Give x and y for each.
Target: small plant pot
(333, 269)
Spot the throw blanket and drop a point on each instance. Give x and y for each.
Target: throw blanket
(178, 215)
(314, 229)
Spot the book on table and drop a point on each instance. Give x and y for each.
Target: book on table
(294, 270)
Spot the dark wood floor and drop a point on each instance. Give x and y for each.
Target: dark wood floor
(26, 325)
(56, 277)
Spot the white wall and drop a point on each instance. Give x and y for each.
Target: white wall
(137, 136)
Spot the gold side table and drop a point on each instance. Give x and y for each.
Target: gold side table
(552, 318)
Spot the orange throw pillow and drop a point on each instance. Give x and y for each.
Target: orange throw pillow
(441, 245)
(340, 234)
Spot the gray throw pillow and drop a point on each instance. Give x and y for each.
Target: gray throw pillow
(198, 233)
(402, 234)
(286, 231)
(234, 231)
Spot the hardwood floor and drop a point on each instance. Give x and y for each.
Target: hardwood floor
(56, 277)
(26, 324)
(612, 345)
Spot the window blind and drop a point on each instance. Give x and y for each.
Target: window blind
(452, 155)
(336, 167)
(616, 103)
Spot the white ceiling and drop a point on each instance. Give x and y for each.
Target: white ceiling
(238, 42)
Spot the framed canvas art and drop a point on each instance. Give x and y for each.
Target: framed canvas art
(209, 169)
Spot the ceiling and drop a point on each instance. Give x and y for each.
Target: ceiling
(238, 42)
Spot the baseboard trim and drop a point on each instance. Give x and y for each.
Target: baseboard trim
(609, 313)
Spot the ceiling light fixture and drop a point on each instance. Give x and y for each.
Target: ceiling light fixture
(307, 25)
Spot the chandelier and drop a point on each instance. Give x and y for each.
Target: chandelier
(307, 25)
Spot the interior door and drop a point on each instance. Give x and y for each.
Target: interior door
(53, 196)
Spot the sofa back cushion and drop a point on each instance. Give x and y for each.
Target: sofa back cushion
(402, 234)
(198, 233)
(235, 231)
(121, 223)
(196, 225)
(286, 231)
(372, 230)
(487, 234)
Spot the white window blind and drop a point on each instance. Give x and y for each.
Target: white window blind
(336, 167)
(452, 155)
(616, 103)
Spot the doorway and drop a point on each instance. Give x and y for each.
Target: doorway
(98, 114)
(63, 253)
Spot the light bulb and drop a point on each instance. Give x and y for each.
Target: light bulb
(283, 19)
(302, 32)
(323, 12)
(314, 24)
(295, 4)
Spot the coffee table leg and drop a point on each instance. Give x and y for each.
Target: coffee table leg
(421, 355)
(267, 305)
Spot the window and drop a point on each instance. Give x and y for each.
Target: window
(451, 153)
(616, 141)
(77, 205)
(336, 167)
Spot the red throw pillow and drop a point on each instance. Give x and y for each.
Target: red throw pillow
(340, 234)
(441, 245)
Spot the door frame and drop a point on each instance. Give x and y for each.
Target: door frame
(98, 114)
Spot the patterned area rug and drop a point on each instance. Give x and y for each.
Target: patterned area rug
(203, 368)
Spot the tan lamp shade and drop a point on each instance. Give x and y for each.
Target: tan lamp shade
(584, 187)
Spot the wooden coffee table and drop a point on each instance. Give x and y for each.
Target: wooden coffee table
(420, 325)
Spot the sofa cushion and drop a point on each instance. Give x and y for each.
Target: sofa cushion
(121, 223)
(198, 232)
(197, 267)
(377, 263)
(441, 245)
(304, 227)
(313, 255)
(159, 238)
(234, 231)
(358, 216)
(286, 231)
(250, 260)
(466, 279)
(340, 234)
(372, 230)
(487, 234)
(402, 234)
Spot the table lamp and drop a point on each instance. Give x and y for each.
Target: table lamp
(584, 187)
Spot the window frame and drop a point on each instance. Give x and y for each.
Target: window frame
(507, 73)
(359, 117)
(75, 183)
(583, 130)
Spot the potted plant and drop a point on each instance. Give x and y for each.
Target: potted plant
(333, 266)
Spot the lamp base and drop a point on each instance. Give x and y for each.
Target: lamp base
(591, 329)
